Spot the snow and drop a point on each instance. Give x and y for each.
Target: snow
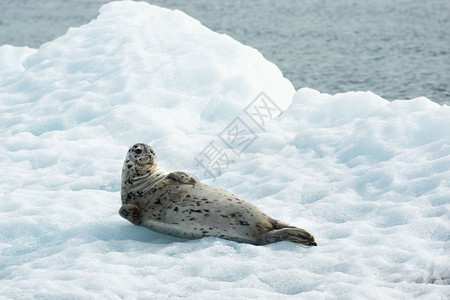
(369, 178)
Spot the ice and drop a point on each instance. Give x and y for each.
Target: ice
(369, 178)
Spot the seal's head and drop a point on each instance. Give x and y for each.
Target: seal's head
(142, 155)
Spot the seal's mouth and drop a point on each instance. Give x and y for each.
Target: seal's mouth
(144, 160)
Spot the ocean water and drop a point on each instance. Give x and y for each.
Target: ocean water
(396, 49)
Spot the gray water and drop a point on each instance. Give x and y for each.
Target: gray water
(396, 49)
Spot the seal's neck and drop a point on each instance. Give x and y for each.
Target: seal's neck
(136, 180)
(156, 176)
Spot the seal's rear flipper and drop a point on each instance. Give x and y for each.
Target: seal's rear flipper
(298, 235)
(291, 234)
(131, 213)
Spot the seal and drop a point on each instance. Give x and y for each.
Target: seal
(177, 204)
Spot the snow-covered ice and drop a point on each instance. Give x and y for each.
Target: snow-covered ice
(369, 178)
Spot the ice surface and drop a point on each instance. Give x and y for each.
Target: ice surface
(369, 178)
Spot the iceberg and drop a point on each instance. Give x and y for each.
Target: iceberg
(369, 178)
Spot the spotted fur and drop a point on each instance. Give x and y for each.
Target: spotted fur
(179, 205)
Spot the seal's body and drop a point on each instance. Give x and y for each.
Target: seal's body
(178, 205)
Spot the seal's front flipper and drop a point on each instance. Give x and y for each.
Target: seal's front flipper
(182, 177)
(131, 213)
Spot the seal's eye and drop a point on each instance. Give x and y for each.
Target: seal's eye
(138, 151)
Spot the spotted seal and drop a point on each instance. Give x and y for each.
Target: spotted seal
(177, 204)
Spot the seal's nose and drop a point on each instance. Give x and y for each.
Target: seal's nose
(138, 151)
